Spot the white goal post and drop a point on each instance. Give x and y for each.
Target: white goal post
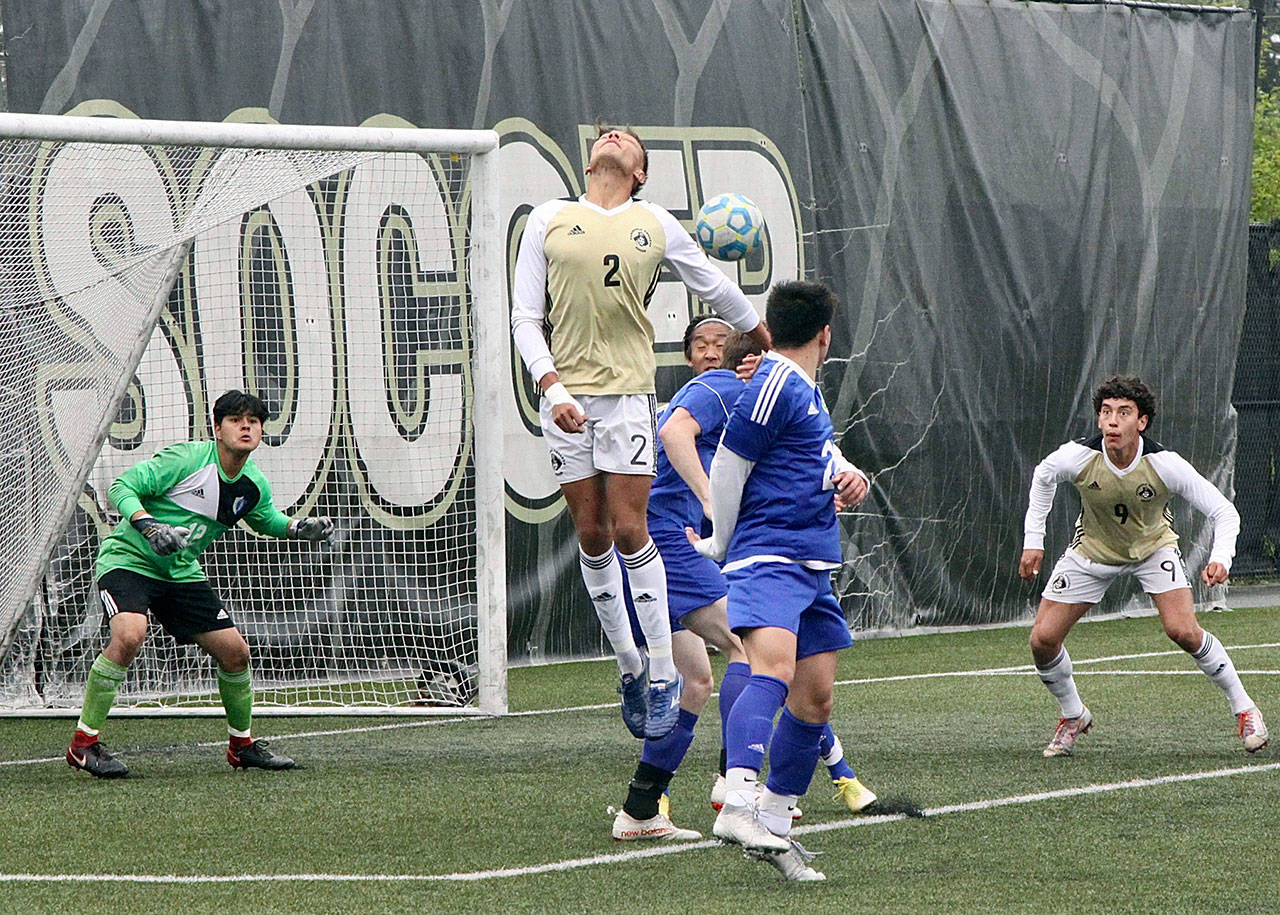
(352, 278)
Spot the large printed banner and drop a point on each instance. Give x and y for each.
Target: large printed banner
(1012, 199)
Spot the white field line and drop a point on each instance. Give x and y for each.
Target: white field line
(980, 672)
(632, 855)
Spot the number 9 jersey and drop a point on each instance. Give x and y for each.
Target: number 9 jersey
(1124, 512)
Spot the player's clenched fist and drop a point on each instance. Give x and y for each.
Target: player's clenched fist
(317, 530)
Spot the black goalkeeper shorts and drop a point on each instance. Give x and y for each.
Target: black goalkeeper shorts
(184, 608)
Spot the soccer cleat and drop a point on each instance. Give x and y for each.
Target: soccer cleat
(741, 826)
(719, 788)
(635, 704)
(1252, 729)
(857, 796)
(627, 828)
(258, 755)
(664, 707)
(96, 761)
(792, 863)
(1064, 738)
(664, 805)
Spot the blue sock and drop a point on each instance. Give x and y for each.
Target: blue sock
(666, 753)
(751, 721)
(732, 684)
(793, 753)
(840, 768)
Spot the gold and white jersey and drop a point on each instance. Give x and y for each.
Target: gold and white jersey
(1124, 512)
(584, 277)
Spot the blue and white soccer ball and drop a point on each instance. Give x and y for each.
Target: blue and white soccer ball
(729, 227)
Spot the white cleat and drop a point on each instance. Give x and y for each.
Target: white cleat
(719, 789)
(1064, 738)
(1252, 729)
(741, 826)
(627, 828)
(792, 863)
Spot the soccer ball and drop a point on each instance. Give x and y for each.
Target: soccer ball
(729, 227)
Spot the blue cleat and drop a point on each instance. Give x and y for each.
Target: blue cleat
(664, 707)
(635, 707)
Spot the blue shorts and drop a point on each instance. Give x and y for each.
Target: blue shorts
(789, 596)
(693, 580)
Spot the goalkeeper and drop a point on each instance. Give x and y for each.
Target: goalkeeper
(174, 505)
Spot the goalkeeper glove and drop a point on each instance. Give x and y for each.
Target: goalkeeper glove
(317, 530)
(165, 539)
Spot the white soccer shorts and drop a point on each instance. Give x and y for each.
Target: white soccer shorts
(619, 438)
(1077, 580)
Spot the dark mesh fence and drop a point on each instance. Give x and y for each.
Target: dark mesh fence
(1256, 397)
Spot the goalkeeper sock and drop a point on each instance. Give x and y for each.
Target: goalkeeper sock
(1057, 677)
(105, 677)
(236, 690)
(648, 580)
(603, 577)
(831, 752)
(667, 752)
(1213, 659)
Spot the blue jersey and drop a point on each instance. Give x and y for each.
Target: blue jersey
(788, 502)
(709, 397)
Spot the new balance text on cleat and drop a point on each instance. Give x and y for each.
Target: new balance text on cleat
(1064, 738)
(741, 826)
(258, 755)
(792, 863)
(1252, 729)
(96, 761)
(635, 705)
(627, 828)
(664, 707)
(856, 796)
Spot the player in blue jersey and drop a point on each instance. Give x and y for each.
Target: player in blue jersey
(688, 432)
(173, 506)
(777, 480)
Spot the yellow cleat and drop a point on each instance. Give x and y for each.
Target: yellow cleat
(855, 794)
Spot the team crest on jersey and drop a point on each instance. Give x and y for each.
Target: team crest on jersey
(238, 505)
(1060, 584)
(557, 462)
(1146, 493)
(641, 239)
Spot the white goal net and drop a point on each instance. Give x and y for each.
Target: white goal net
(351, 278)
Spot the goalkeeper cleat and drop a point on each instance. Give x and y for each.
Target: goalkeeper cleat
(664, 707)
(740, 826)
(258, 755)
(1252, 730)
(627, 828)
(635, 707)
(856, 796)
(792, 863)
(96, 761)
(1064, 738)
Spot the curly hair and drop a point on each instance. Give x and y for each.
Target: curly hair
(1127, 387)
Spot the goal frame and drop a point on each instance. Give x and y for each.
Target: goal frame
(489, 330)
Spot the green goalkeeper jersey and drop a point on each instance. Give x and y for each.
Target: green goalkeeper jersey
(184, 486)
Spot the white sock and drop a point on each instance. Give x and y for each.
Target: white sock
(648, 578)
(1057, 677)
(775, 811)
(603, 577)
(740, 787)
(1213, 659)
(836, 754)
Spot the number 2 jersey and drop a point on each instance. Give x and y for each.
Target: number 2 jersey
(1124, 512)
(588, 274)
(184, 486)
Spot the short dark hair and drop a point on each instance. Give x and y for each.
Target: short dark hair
(692, 328)
(238, 403)
(797, 310)
(736, 348)
(602, 127)
(1127, 387)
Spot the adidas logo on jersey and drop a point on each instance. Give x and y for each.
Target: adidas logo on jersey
(1093, 485)
(198, 493)
(577, 230)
